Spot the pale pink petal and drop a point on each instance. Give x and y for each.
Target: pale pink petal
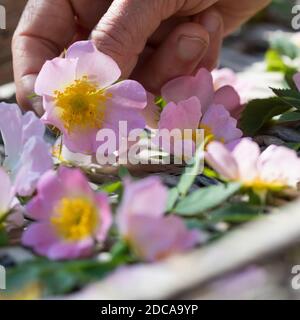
(52, 115)
(50, 191)
(246, 154)
(74, 182)
(218, 121)
(138, 200)
(40, 236)
(184, 115)
(121, 121)
(55, 75)
(223, 77)
(11, 131)
(71, 250)
(154, 238)
(221, 160)
(177, 126)
(297, 80)
(34, 162)
(6, 192)
(229, 98)
(98, 66)
(81, 140)
(152, 112)
(183, 88)
(127, 94)
(105, 216)
(280, 165)
(32, 126)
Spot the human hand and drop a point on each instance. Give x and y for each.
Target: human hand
(154, 41)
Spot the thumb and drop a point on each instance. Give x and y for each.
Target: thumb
(123, 31)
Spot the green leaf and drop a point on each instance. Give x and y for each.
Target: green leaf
(172, 198)
(111, 187)
(289, 117)
(235, 213)
(288, 96)
(191, 171)
(206, 198)
(274, 61)
(3, 237)
(123, 172)
(258, 112)
(57, 277)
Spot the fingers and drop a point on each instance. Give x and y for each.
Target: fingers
(235, 13)
(124, 30)
(212, 22)
(179, 55)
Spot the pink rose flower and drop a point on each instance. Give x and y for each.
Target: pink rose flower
(192, 103)
(142, 223)
(27, 154)
(69, 216)
(226, 77)
(275, 168)
(80, 96)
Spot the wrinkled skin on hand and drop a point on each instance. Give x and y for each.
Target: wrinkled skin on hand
(152, 41)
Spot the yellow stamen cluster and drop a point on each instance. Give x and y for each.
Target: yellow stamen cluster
(75, 218)
(259, 184)
(81, 105)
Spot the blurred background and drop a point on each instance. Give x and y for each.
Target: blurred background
(14, 9)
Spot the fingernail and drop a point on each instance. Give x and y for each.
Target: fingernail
(211, 22)
(191, 48)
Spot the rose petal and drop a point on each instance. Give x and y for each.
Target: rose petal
(55, 75)
(11, 131)
(71, 250)
(127, 94)
(98, 66)
(138, 199)
(35, 161)
(40, 236)
(221, 160)
(105, 216)
(184, 115)
(6, 192)
(154, 238)
(229, 98)
(152, 112)
(218, 120)
(246, 154)
(183, 88)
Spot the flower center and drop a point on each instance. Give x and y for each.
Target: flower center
(75, 219)
(208, 133)
(259, 184)
(81, 105)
